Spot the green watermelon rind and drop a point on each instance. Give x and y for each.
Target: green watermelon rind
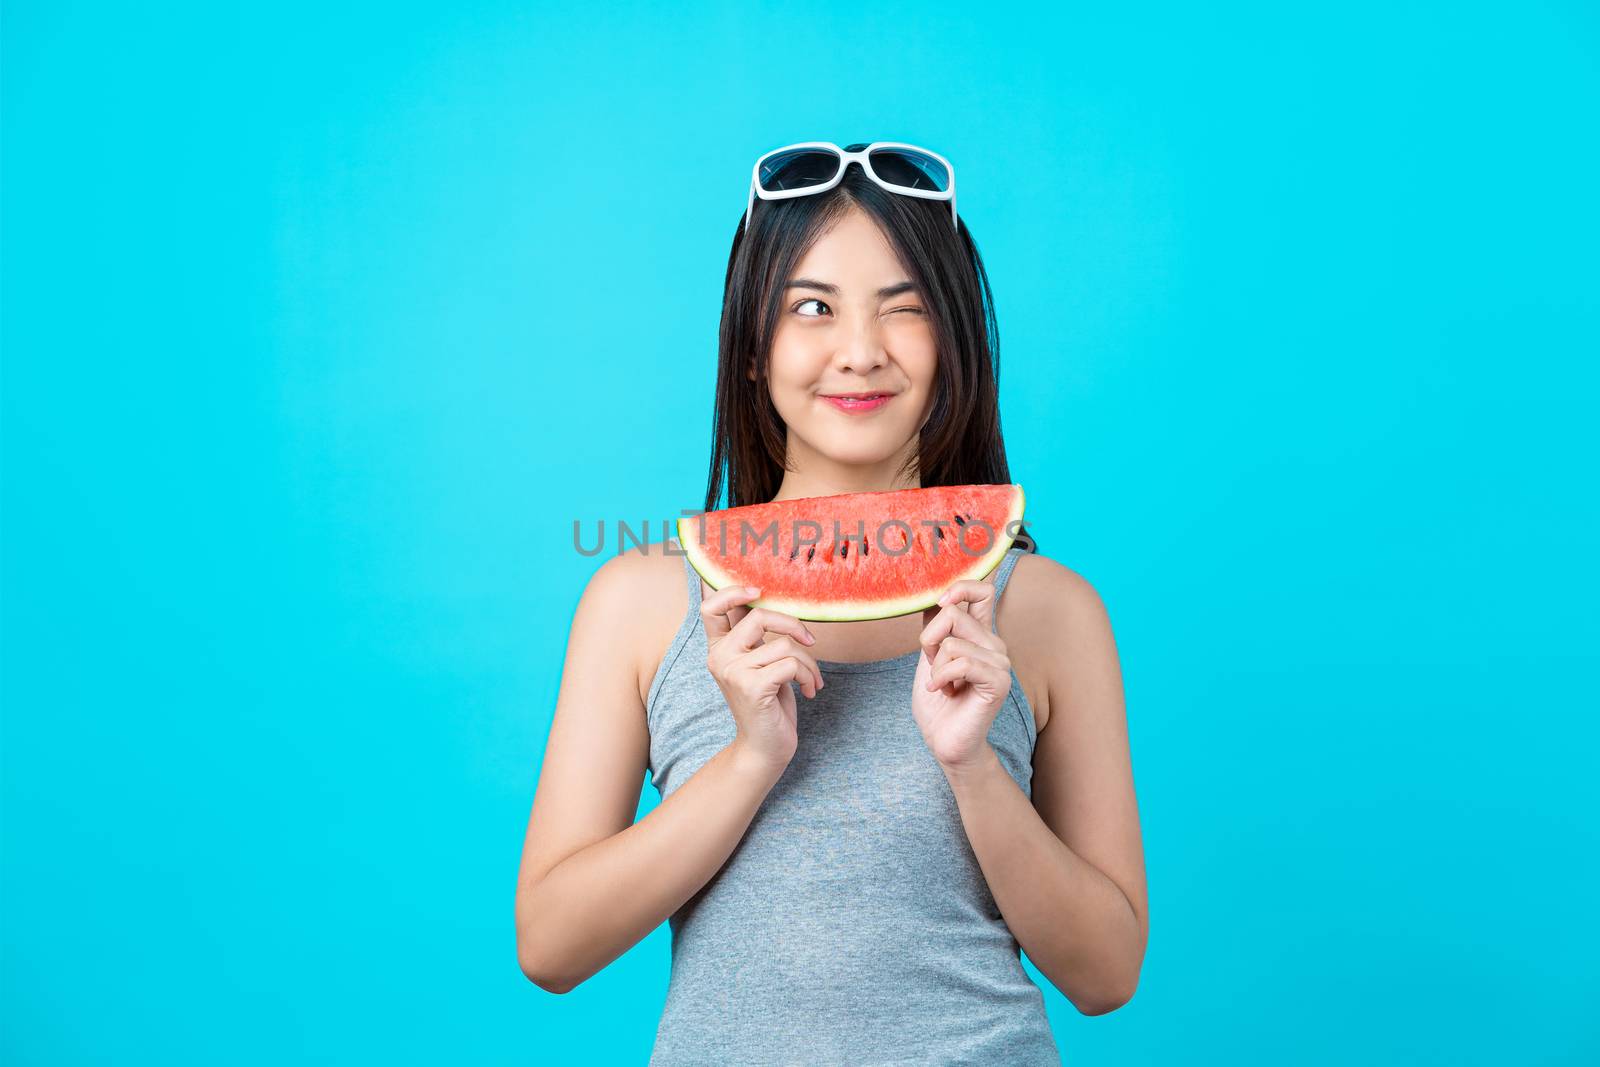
(854, 610)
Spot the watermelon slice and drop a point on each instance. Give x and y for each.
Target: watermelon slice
(856, 556)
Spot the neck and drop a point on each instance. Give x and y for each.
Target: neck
(810, 474)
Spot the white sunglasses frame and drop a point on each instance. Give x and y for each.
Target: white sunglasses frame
(845, 159)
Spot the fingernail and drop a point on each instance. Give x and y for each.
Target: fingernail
(752, 590)
(810, 640)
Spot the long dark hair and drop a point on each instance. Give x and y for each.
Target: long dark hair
(960, 441)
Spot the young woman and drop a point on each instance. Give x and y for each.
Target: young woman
(848, 876)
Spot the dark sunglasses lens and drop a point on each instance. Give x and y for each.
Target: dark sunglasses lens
(798, 169)
(910, 168)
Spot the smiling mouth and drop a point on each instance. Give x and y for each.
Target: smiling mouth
(855, 402)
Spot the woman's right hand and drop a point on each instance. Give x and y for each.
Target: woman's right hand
(754, 674)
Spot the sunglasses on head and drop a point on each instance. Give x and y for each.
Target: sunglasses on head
(817, 166)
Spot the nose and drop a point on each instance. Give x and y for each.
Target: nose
(861, 351)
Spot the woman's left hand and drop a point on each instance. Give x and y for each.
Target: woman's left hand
(963, 675)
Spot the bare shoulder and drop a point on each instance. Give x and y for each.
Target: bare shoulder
(643, 569)
(642, 596)
(1051, 618)
(1051, 591)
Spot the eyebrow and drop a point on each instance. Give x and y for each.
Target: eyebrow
(833, 290)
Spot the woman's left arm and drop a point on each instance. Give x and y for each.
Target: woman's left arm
(1066, 869)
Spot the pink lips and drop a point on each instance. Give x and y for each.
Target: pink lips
(859, 404)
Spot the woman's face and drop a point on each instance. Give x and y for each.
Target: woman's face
(851, 323)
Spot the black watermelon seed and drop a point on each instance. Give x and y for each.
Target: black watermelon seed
(811, 553)
(960, 521)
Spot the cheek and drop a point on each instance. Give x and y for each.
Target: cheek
(916, 348)
(794, 363)
(787, 385)
(922, 366)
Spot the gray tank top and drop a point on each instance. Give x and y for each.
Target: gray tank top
(852, 923)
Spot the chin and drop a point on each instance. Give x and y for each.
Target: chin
(862, 450)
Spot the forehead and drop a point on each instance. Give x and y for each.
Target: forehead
(853, 252)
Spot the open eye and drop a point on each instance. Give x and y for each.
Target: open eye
(809, 300)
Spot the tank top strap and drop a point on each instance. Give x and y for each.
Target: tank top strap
(1002, 575)
(693, 578)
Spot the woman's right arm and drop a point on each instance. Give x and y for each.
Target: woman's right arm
(592, 882)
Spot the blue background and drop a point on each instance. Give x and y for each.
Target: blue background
(323, 322)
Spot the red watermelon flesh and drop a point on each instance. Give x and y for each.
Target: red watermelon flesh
(856, 556)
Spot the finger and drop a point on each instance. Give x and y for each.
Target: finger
(950, 675)
(976, 596)
(948, 621)
(722, 610)
(775, 650)
(938, 626)
(780, 672)
(953, 647)
(753, 628)
(968, 671)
